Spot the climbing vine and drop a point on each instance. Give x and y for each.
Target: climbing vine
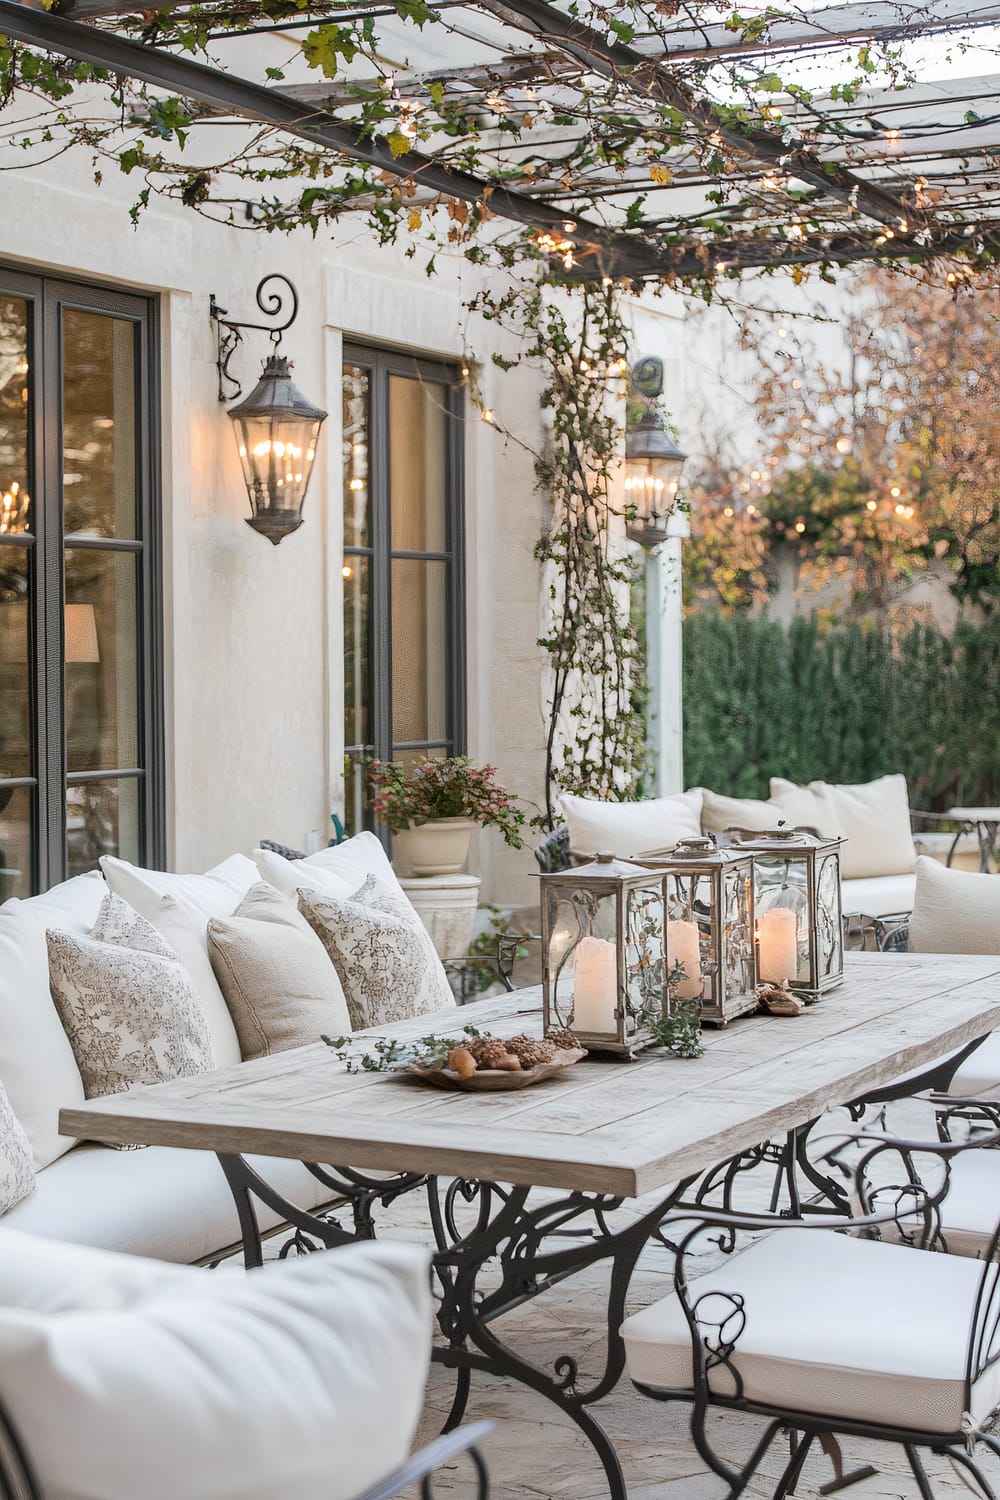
(578, 339)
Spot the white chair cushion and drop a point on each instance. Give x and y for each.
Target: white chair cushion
(881, 896)
(971, 1208)
(388, 966)
(280, 986)
(954, 911)
(304, 1379)
(175, 1205)
(336, 872)
(849, 1328)
(980, 1073)
(720, 813)
(873, 816)
(629, 828)
(216, 893)
(37, 1065)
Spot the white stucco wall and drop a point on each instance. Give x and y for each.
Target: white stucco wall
(254, 651)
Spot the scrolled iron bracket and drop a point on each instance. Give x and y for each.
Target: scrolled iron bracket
(273, 303)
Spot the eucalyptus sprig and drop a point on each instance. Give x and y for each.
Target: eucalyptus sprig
(678, 1028)
(389, 1055)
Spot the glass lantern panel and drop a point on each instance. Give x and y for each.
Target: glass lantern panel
(737, 938)
(782, 944)
(829, 931)
(582, 960)
(277, 454)
(690, 938)
(644, 972)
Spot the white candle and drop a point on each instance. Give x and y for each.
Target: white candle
(595, 986)
(683, 948)
(777, 945)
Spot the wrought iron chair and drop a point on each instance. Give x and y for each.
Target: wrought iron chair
(553, 852)
(864, 1333)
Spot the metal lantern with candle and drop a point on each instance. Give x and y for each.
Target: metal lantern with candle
(797, 908)
(709, 908)
(603, 956)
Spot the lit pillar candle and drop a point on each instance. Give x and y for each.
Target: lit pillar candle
(683, 948)
(595, 986)
(777, 945)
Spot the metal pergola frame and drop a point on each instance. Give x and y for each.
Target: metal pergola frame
(836, 159)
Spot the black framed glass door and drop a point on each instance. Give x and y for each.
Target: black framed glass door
(80, 611)
(404, 599)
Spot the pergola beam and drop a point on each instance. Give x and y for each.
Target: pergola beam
(647, 79)
(837, 249)
(614, 254)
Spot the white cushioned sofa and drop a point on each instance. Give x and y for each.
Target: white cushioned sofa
(157, 1202)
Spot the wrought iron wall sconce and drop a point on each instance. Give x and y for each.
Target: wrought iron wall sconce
(653, 463)
(277, 428)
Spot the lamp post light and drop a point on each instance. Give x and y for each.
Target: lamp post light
(277, 427)
(653, 465)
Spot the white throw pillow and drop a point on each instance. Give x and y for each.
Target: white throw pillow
(279, 983)
(304, 1378)
(954, 911)
(719, 813)
(185, 930)
(338, 871)
(52, 1276)
(629, 828)
(130, 1010)
(873, 816)
(216, 893)
(72, 906)
(37, 1065)
(388, 966)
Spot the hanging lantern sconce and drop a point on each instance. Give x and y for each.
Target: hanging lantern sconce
(653, 464)
(277, 428)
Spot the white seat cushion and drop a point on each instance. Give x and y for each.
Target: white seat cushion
(630, 828)
(175, 1205)
(881, 896)
(954, 911)
(303, 1379)
(849, 1328)
(980, 1073)
(971, 1209)
(37, 1065)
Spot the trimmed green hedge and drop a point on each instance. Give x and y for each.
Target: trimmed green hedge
(842, 704)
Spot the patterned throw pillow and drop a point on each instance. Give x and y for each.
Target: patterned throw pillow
(127, 1004)
(17, 1164)
(383, 953)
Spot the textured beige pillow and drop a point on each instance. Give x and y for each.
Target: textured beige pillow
(873, 816)
(129, 1008)
(954, 911)
(719, 813)
(382, 952)
(280, 986)
(17, 1164)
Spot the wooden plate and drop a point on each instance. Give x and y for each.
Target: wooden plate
(487, 1080)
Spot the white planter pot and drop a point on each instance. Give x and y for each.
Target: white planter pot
(440, 847)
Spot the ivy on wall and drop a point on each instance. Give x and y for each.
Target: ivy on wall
(845, 704)
(595, 739)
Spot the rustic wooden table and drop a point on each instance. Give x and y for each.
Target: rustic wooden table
(602, 1132)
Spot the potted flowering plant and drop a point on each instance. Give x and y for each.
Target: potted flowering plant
(433, 806)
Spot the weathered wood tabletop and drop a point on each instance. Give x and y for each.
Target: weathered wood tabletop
(606, 1126)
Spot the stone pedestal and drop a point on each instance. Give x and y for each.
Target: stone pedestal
(447, 907)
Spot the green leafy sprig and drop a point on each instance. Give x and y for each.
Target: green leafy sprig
(389, 1055)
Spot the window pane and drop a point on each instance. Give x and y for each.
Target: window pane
(357, 658)
(417, 468)
(14, 416)
(16, 865)
(101, 676)
(15, 680)
(102, 817)
(357, 427)
(420, 650)
(99, 424)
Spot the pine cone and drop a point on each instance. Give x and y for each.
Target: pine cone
(488, 1051)
(562, 1039)
(530, 1050)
